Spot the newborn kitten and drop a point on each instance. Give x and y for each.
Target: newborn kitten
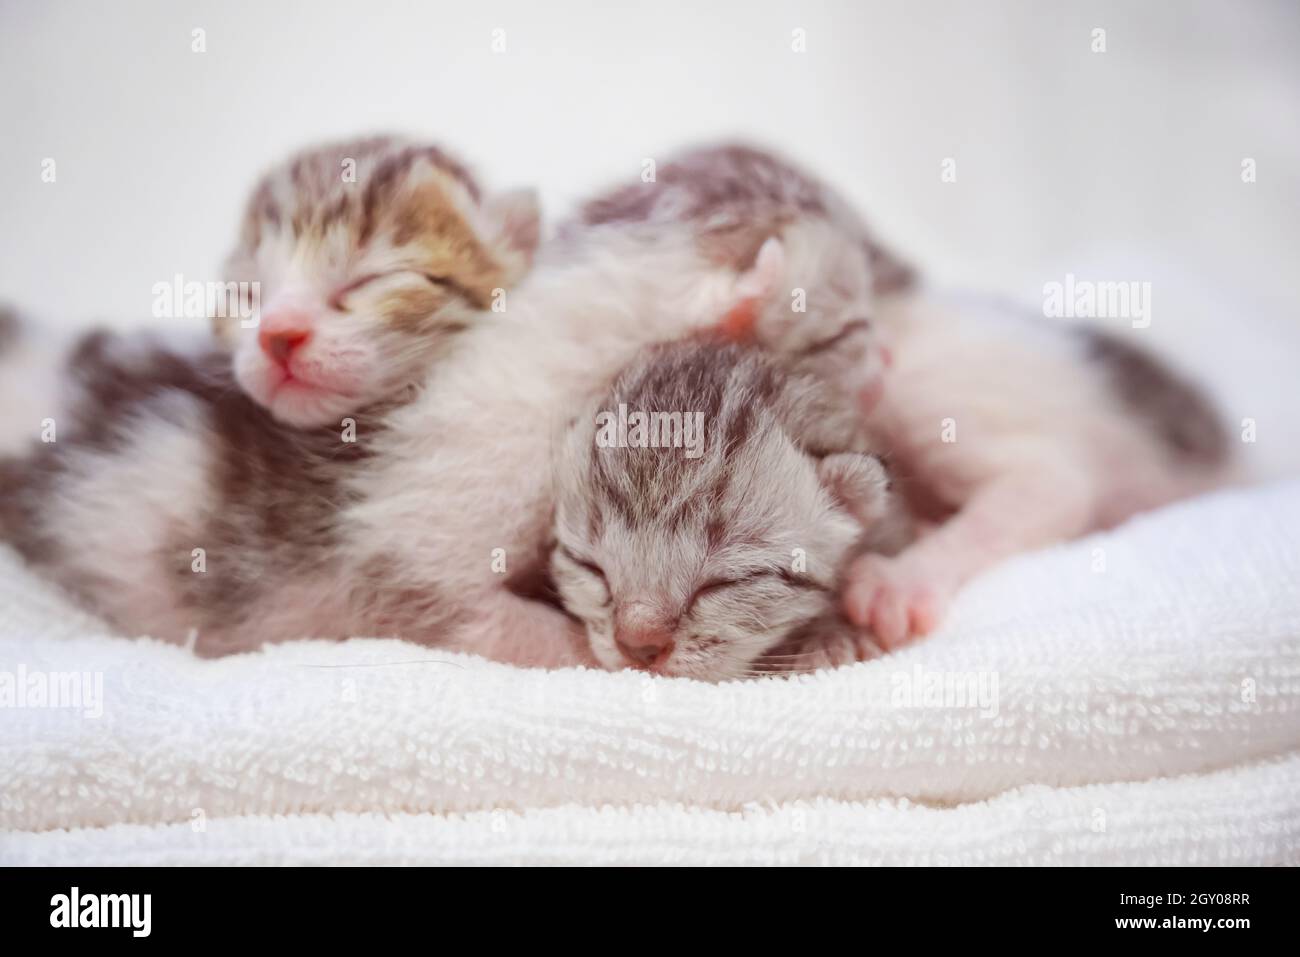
(371, 254)
(701, 546)
(808, 269)
(1052, 432)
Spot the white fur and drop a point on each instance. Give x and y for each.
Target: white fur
(352, 358)
(32, 386)
(115, 509)
(1043, 451)
(1022, 399)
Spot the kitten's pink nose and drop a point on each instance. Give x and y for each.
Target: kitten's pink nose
(281, 331)
(645, 647)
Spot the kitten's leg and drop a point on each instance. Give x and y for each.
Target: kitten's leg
(519, 631)
(906, 595)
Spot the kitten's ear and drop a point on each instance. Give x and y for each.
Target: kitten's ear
(751, 292)
(859, 482)
(760, 280)
(513, 222)
(889, 273)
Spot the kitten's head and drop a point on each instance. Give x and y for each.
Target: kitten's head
(370, 256)
(697, 547)
(805, 290)
(805, 272)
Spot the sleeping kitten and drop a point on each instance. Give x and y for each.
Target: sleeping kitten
(371, 255)
(710, 544)
(809, 271)
(1014, 433)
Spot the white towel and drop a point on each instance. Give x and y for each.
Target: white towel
(1130, 698)
(1243, 815)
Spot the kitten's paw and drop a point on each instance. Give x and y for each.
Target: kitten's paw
(833, 652)
(895, 598)
(835, 644)
(849, 648)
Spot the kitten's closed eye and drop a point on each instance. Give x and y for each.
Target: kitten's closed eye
(396, 277)
(847, 331)
(591, 568)
(723, 585)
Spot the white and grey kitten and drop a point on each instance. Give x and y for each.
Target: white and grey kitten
(709, 544)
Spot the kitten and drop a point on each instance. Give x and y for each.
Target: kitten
(371, 255)
(1052, 432)
(809, 270)
(710, 544)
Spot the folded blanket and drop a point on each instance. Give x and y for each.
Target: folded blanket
(1130, 698)
(1246, 815)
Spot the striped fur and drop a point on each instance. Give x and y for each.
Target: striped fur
(734, 552)
(392, 248)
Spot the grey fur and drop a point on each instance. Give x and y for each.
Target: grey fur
(653, 533)
(276, 491)
(736, 196)
(1179, 415)
(10, 327)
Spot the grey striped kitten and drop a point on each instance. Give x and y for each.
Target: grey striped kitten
(706, 538)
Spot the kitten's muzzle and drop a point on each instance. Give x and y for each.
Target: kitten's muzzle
(646, 648)
(284, 327)
(280, 346)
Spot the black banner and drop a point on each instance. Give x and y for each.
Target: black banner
(209, 906)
